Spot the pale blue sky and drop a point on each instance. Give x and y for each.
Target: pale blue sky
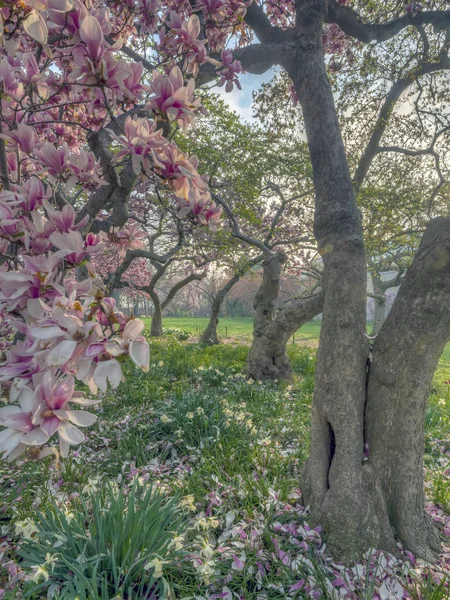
(241, 100)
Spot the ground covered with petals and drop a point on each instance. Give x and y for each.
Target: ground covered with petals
(188, 487)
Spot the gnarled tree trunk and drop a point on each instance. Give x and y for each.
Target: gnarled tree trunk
(267, 358)
(363, 503)
(344, 496)
(264, 305)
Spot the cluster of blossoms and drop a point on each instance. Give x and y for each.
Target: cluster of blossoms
(62, 81)
(64, 328)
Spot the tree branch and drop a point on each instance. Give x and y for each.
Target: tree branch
(352, 24)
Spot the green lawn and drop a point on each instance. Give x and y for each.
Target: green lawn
(242, 328)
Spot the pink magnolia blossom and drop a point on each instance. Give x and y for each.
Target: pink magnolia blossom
(173, 99)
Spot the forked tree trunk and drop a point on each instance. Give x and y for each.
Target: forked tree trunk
(344, 496)
(405, 356)
(157, 326)
(267, 359)
(362, 503)
(209, 336)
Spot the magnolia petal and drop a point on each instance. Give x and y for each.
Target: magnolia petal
(133, 328)
(50, 425)
(9, 440)
(183, 212)
(18, 450)
(36, 437)
(193, 26)
(70, 434)
(36, 28)
(27, 400)
(46, 333)
(85, 401)
(108, 370)
(48, 451)
(139, 352)
(113, 348)
(79, 417)
(36, 307)
(92, 35)
(64, 447)
(6, 411)
(61, 353)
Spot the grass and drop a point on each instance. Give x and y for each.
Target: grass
(230, 451)
(231, 328)
(242, 328)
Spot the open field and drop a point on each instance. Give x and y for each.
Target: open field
(242, 328)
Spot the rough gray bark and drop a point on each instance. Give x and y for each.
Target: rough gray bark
(267, 359)
(364, 503)
(264, 305)
(344, 495)
(405, 356)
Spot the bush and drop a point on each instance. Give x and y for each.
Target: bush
(115, 544)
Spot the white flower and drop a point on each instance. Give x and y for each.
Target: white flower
(27, 528)
(157, 565)
(51, 560)
(177, 542)
(188, 502)
(165, 419)
(41, 571)
(91, 486)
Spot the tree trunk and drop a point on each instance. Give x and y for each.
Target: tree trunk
(264, 305)
(209, 336)
(363, 503)
(156, 326)
(267, 359)
(344, 495)
(405, 356)
(379, 315)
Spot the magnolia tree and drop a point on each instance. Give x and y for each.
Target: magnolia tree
(81, 125)
(275, 236)
(166, 258)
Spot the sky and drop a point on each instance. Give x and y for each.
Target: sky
(241, 100)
